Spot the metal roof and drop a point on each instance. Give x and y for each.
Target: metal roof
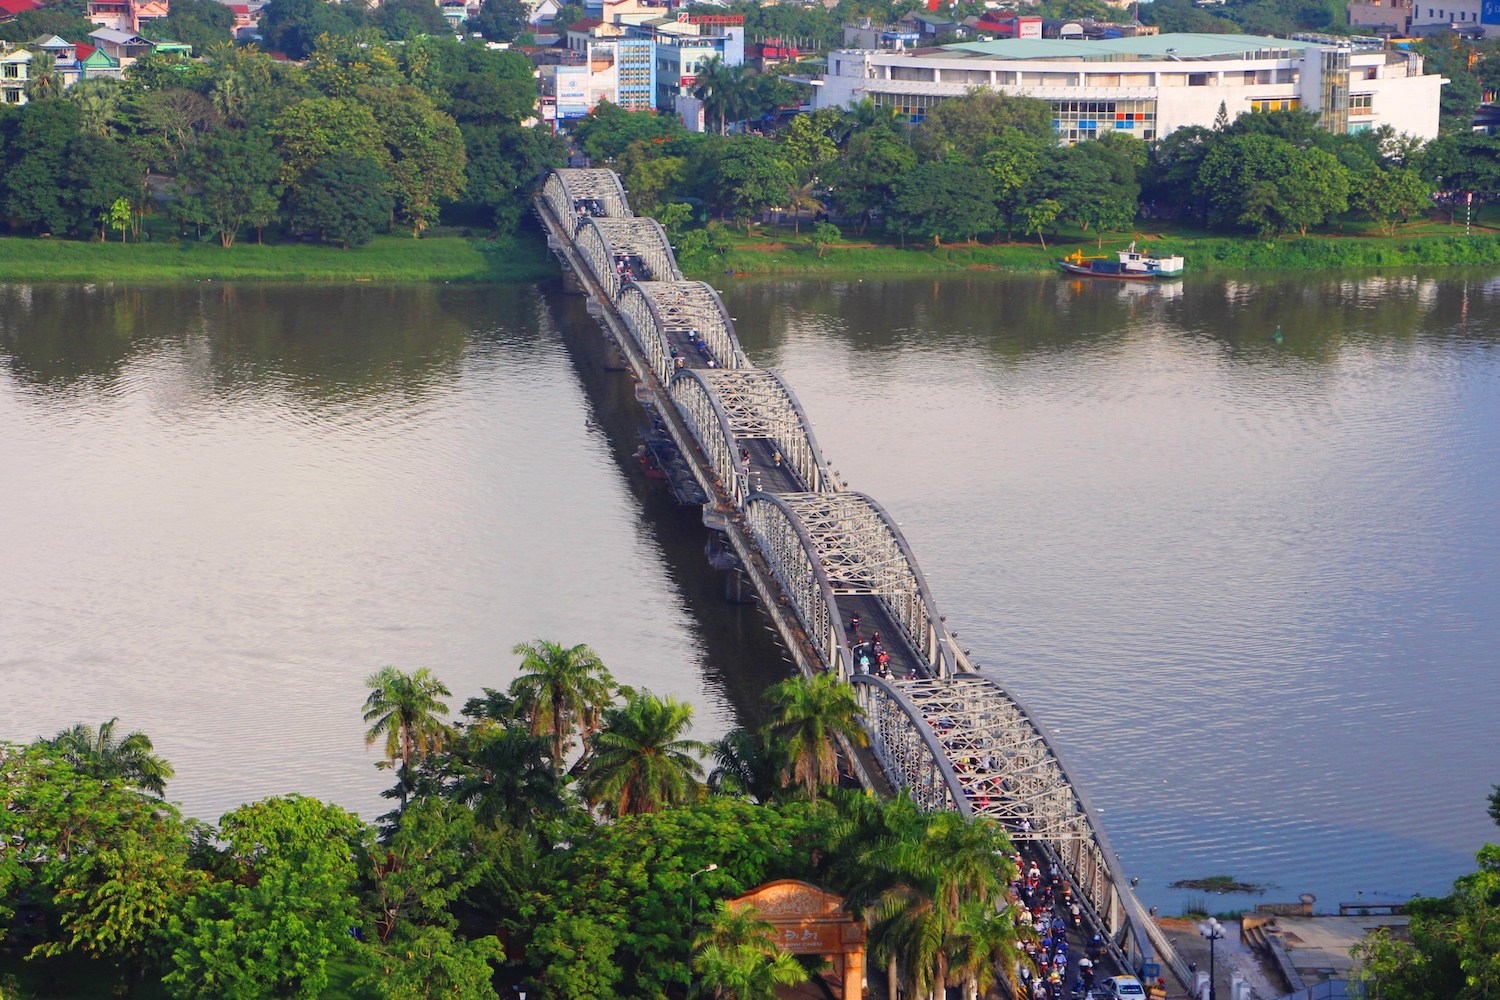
(1179, 45)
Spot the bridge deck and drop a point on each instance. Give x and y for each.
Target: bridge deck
(820, 556)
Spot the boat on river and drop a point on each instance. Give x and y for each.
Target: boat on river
(1130, 265)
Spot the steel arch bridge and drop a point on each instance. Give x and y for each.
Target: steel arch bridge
(963, 743)
(954, 737)
(602, 241)
(857, 549)
(567, 191)
(726, 408)
(656, 311)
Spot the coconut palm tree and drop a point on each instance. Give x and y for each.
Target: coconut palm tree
(42, 80)
(982, 940)
(748, 764)
(561, 689)
(505, 775)
(641, 763)
(98, 101)
(724, 91)
(912, 876)
(405, 710)
(801, 197)
(807, 715)
(737, 957)
(101, 754)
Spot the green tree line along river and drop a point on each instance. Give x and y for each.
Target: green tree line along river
(383, 128)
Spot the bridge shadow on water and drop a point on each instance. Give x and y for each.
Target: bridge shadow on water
(740, 654)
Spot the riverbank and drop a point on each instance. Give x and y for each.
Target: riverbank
(767, 253)
(387, 259)
(763, 252)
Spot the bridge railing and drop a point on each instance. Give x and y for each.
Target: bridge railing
(604, 242)
(575, 195)
(829, 541)
(792, 558)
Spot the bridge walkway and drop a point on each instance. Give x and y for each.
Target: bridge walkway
(819, 554)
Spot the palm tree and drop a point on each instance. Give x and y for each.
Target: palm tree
(748, 764)
(737, 957)
(505, 775)
(98, 101)
(982, 940)
(100, 754)
(913, 876)
(722, 89)
(800, 197)
(808, 714)
(641, 763)
(561, 689)
(404, 709)
(42, 80)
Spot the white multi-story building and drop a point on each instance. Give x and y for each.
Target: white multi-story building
(1148, 86)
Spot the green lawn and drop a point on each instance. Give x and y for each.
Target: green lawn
(387, 259)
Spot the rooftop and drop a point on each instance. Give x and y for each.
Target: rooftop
(1179, 46)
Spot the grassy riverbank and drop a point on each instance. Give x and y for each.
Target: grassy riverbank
(767, 251)
(387, 259)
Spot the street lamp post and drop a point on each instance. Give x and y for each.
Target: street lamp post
(692, 899)
(1213, 931)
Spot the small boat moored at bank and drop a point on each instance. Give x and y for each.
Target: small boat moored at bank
(1130, 265)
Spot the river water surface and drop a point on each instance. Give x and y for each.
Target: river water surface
(1250, 584)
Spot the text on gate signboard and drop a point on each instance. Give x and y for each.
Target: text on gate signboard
(711, 18)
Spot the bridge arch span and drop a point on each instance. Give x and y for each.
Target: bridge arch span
(792, 556)
(603, 242)
(658, 310)
(1008, 771)
(750, 404)
(574, 195)
(864, 552)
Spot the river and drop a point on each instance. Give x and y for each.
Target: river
(1249, 583)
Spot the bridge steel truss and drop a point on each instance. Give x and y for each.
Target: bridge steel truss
(855, 548)
(565, 188)
(727, 408)
(599, 241)
(656, 309)
(962, 742)
(955, 740)
(792, 557)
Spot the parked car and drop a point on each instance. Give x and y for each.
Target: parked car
(1123, 988)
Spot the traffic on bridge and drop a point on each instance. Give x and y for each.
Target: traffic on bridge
(843, 587)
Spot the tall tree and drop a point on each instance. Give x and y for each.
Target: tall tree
(963, 128)
(863, 180)
(42, 81)
(561, 690)
(748, 763)
(106, 755)
(724, 91)
(940, 200)
(751, 177)
(641, 761)
(341, 200)
(283, 909)
(737, 958)
(406, 710)
(504, 774)
(231, 180)
(426, 152)
(807, 716)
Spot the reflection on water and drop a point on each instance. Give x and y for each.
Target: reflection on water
(225, 507)
(1250, 584)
